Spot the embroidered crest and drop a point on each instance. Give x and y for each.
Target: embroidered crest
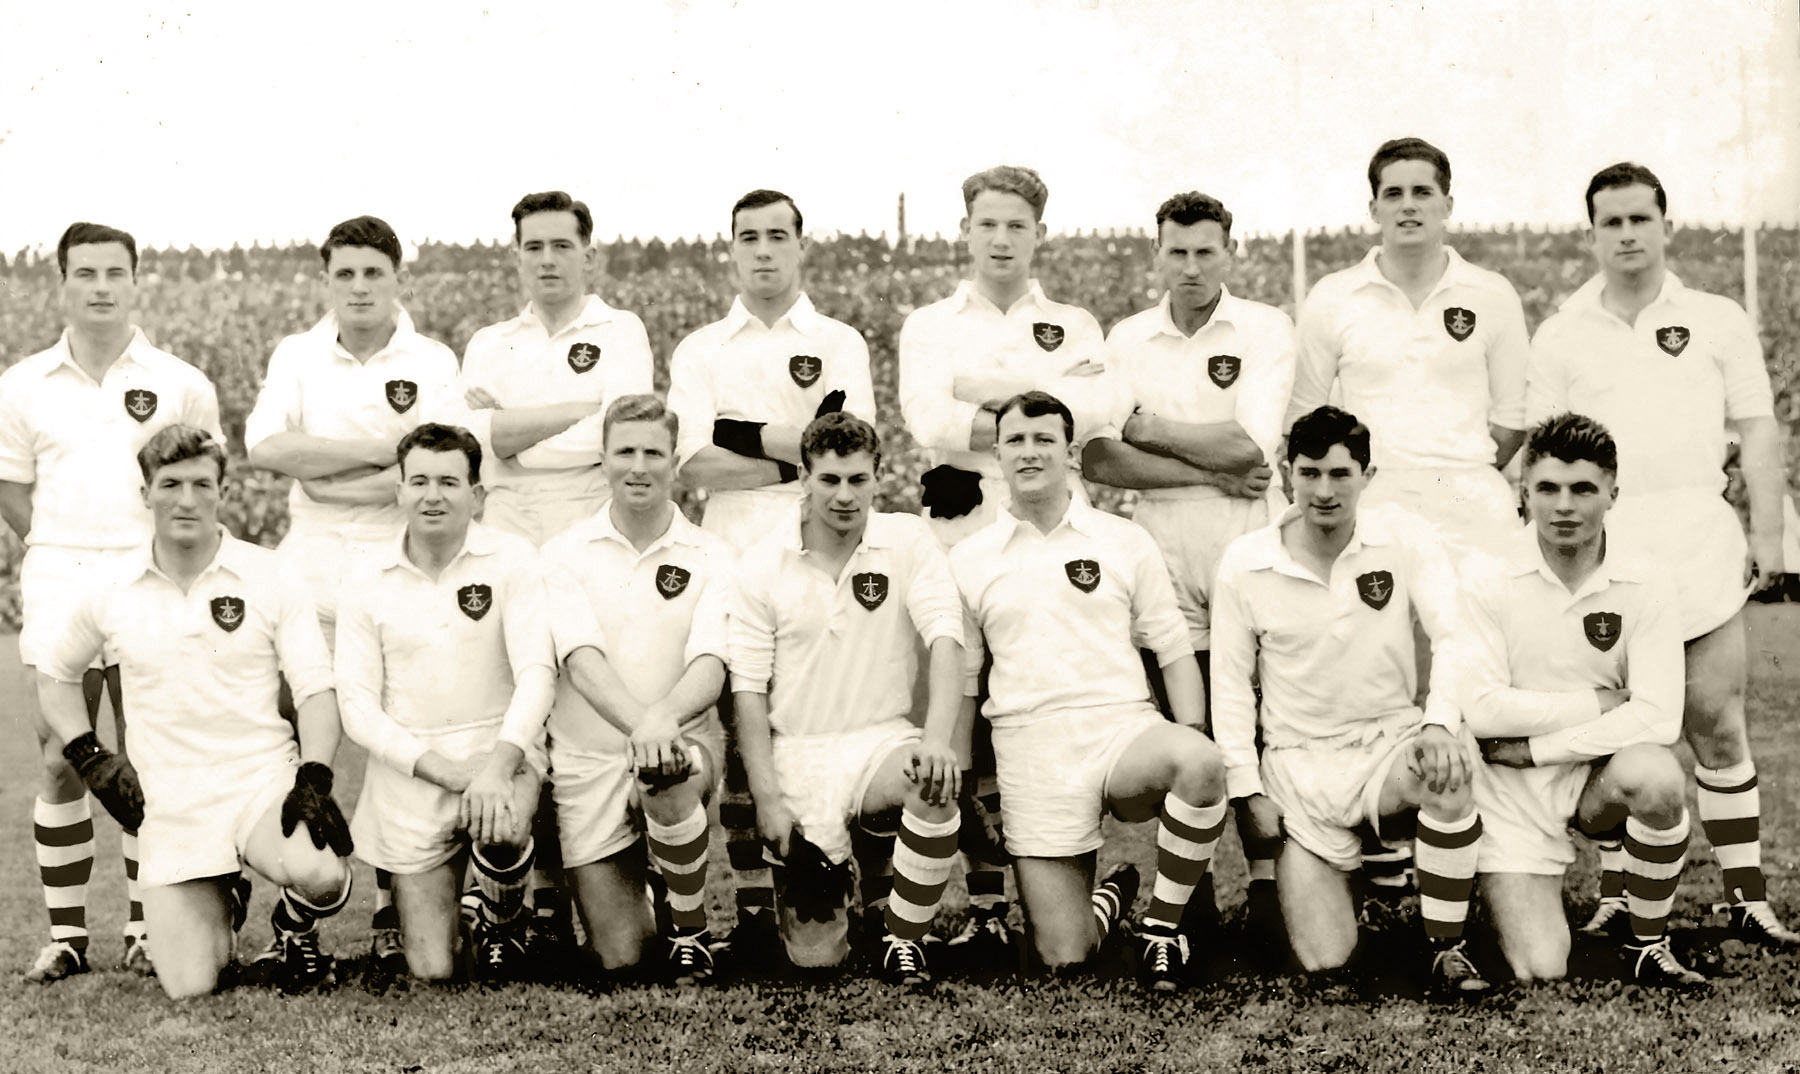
(1376, 588)
(1224, 369)
(1049, 336)
(475, 599)
(671, 580)
(1603, 629)
(140, 403)
(583, 356)
(805, 369)
(1459, 322)
(870, 589)
(1673, 339)
(1084, 574)
(228, 612)
(401, 395)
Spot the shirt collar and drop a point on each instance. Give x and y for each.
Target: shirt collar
(1079, 517)
(1223, 313)
(966, 293)
(600, 528)
(801, 315)
(138, 350)
(594, 311)
(1267, 551)
(1587, 296)
(327, 330)
(481, 541)
(1523, 555)
(1367, 272)
(232, 556)
(878, 534)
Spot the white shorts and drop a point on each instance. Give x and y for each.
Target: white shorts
(1326, 788)
(742, 517)
(824, 778)
(1053, 770)
(408, 825)
(1192, 534)
(1525, 817)
(596, 794)
(52, 579)
(537, 517)
(1697, 538)
(324, 560)
(1474, 508)
(205, 834)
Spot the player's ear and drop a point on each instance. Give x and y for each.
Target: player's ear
(480, 493)
(1042, 230)
(144, 491)
(1369, 472)
(1449, 204)
(962, 229)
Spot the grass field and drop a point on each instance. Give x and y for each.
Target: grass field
(1247, 1015)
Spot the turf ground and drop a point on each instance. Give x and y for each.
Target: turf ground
(1247, 1013)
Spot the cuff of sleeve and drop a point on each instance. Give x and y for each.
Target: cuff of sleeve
(17, 471)
(404, 757)
(952, 628)
(1444, 715)
(566, 648)
(972, 685)
(1181, 649)
(1243, 781)
(1550, 749)
(747, 683)
(962, 417)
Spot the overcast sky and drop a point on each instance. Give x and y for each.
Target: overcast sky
(224, 122)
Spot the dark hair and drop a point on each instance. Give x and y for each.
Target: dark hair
(433, 437)
(367, 231)
(83, 233)
(1314, 435)
(1399, 149)
(1036, 404)
(640, 407)
(552, 201)
(179, 443)
(1572, 438)
(838, 433)
(1192, 208)
(1008, 179)
(1626, 173)
(756, 199)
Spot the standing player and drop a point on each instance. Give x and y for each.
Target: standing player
(1065, 596)
(1666, 368)
(1319, 608)
(1574, 690)
(445, 667)
(71, 419)
(203, 625)
(824, 641)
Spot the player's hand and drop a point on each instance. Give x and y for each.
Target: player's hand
(1506, 752)
(948, 492)
(1263, 817)
(110, 777)
(1764, 565)
(486, 809)
(831, 404)
(1610, 699)
(1249, 485)
(933, 766)
(481, 399)
(1438, 759)
(657, 752)
(310, 803)
(775, 822)
(1085, 368)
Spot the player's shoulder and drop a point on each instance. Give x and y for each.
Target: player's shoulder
(1487, 279)
(1388, 523)
(1075, 316)
(710, 545)
(252, 562)
(32, 368)
(1333, 286)
(937, 312)
(493, 541)
(983, 545)
(1138, 326)
(759, 561)
(707, 335)
(1712, 305)
(1250, 551)
(898, 529)
(493, 335)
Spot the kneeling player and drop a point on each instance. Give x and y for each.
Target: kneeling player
(824, 632)
(202, 626)
(1574, 690)
(446, 670)
(1065, 595)
(1320, 605)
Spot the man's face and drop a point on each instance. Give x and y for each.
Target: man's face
(1034, 454)
(100, 288)
(1191, 261)
(1629, 232)
(766, 248)
(554, 261)
(840, 489)
(1409, 206)
(1002, 235)
(183, 498)
(436, 494)
(639, 463)
(364, 287)
(1328, 489)
(1568, 501)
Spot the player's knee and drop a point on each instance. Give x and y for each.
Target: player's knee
(429, 960)
(1540, 957)
(1449, 803)
(671, 805)
(619, 942)
(193, 971)
(319, 877)
(1061, 950)
(1318, 954)
(1651, 781)
(919, 806)
(1199, 768)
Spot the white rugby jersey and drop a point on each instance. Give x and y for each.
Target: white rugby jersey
(77, 441)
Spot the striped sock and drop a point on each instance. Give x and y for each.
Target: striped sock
(1654, 858)
(1445, 852)
(293, 913)
(1731, 815)
(500, 877)
(922, 858)
(1185, 837)
(64, 833)
(987, 881)
(386, 917)
(1612, 868)
(874, 856)
(743, 843)
(679, 852)
(134, 917)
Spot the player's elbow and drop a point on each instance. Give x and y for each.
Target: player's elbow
(1240, 456)
(1100, 462)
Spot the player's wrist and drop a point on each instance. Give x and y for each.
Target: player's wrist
(314, 776)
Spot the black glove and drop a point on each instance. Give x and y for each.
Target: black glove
(310, 803)
(833, 402)
(110, 777)
(809, 882)
(950, 491)
(664, 776)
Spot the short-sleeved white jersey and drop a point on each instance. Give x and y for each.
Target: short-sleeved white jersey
(77, 441)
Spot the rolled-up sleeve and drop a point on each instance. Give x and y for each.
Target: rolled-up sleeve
(1492, 706)
(74, 647)
(532, 654)
(709, 631)
(691, 398)
(1156, 620)
(300, 643)
(931, 597)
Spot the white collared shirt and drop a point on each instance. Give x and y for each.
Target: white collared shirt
(417, 656)
(967, 335)
(839, 654)
(1427, 382)
(202, 668)
(1537, 652)
(1664, 397)
(650, 613)
(1335, 657)
(76, 442)
(1065, 612)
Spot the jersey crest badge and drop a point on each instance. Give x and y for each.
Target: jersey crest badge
(228, 612)
(1459, 322)
(1224, 369)
(672, 581)
(140, 403)
(401, 395)
(1375, 588)
(1673, 339)
(870, 589)
(805, 369)
(475, 599)
(583, 356)
(1603, 629)
(1084, 574)
(1049, 336)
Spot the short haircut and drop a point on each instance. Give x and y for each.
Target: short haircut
(1572, 438)
(640, 407)
(83, 233)
(367, 231)
(434, 437)
(1626, 173)
(1036, 404)
(552, 201)
(1008, 179)
(1192, 208)
(756, 199)
(1315, 434)
(1399, 149)
(179, 443)
(840, 434)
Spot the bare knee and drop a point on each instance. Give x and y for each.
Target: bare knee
(1540, 958)
(1714, 721)
(1451, 803)
(918, 806)
(1060, 950)
(1317, 954)
(61, 784)
(619, 941)
(1199, 775)
(430, 959)
(318, 876)
(195, 971)
(1651, 783)
(672, 805)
